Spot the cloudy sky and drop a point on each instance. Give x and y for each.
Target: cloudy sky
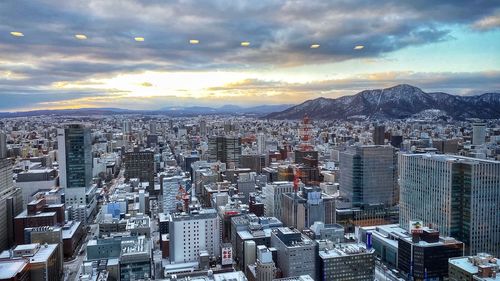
(451, 46)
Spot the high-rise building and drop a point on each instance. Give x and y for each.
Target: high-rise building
(249, 227)
(478, 133)
(193, 232)
(6, 176)
(459, 196)
(379, 135)
(127, 127)
(296, 252)
(347, 261)
(425, 255)
(301, 210)
(140, 164)
(273, 193)
(254, 162)
(75, 162)
(261, 143)
(10, 204)
(246, 185)
(152, 127)
(225, 149)
(3, 145)
(368, 175)
(265, 269)
(203, 127)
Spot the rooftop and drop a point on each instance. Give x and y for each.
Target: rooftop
(471, 264)
(70, 228)
(9, 268)
(452, 158)
(345, 249)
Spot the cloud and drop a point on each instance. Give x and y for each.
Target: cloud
(49, 57)
(453, 83)
(488, 22)
(247, 92)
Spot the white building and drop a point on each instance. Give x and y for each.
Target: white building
(459, 196)
(193, 232)
(273, 197)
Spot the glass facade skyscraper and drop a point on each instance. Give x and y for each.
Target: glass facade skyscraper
(75, 166)
(368, 175)
(459, 196)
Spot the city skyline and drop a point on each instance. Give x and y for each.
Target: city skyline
(149, 55)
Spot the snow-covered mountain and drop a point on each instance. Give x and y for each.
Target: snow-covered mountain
(401, 101)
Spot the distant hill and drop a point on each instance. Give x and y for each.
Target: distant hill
(398, 102)
(171, 111)
(226, 109)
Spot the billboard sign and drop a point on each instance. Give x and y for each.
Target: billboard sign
(227, 255)
(416, 226)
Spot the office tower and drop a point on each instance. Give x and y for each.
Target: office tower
(261, 143)
(151, 140)
(459, 196)
(246, 185)
(424, 255)
(265, 269)
(368, 175)
(396, 140)
(10, 204)
(347, 261)
(140, 164)
(6, 176)
(446, 146)
(254, 162)
(249, 227)
(189, 160)
(482, 267)
(478, 133)
(75, 163)
(203, 127)
(193, 232)
(273, 193)
(379, 135)
(301, 210)
(296, 252)
(225, 149)
(152, 127)
(127, 127)
(250, 253)
(3, 145)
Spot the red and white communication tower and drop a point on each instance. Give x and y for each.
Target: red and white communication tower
(305, 131)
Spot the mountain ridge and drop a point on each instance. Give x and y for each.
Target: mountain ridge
(173, 111)
(397, 102)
